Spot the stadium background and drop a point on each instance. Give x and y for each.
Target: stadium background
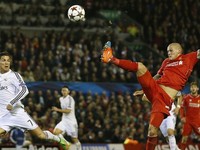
(50, 51)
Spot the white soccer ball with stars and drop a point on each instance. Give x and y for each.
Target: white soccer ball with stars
(76, 13)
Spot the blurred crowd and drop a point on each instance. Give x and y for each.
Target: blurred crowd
(74, 55)
(101, 118)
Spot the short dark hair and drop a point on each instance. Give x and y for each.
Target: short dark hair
(65, 86)
(5, 53)
(194, 83)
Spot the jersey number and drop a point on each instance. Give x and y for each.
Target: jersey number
(30, 122)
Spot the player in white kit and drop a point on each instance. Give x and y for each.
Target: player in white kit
(167, 126)
(68, 124)
(12, 114)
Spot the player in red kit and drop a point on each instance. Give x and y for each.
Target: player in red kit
(163, 87)
(190, 114)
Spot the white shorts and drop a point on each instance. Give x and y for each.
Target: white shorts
(168, 123)
(19, 118)
(69, 128)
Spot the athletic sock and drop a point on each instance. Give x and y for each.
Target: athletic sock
(151, 143)
(78, 146)
(125, 64)
(172, 142)
(19, 147)
(51, 136)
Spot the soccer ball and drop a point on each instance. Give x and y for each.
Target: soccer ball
(76, 13)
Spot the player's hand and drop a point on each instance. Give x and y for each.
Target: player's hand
(9, 107)
(54, 108)
(176, 110)
(141, 93)
(138, 93)
(183, 119)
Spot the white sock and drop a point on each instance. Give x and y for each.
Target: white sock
(51, 136)
(78, 145)
(19, 147)
(172, 142)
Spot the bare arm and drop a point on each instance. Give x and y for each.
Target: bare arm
(144, 98)
(61, 110)
(139, 93)
(198, 53)
(179, 102)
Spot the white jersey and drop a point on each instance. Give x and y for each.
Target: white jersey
(12, 91)
(172, 110)
(68, 124)
(68, 103)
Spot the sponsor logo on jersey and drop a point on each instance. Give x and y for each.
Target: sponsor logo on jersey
(176, 63)
(193, 105)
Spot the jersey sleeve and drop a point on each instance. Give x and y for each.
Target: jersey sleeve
(21, 88)
(194, 57)
(70, 103)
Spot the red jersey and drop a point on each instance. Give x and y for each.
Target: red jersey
(191, 104)
(175, 73)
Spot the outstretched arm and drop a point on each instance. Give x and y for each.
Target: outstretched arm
(61, 110)
(21, 90)
(179, 102)
(140, 92)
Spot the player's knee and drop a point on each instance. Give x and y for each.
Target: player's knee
(41, 136)
(141, 68)
(2, 132)
(153, 131)
(75, 140)
(57, 131)
(170, 132)
(184, 139)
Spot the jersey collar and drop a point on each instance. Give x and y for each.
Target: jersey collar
(4, 74)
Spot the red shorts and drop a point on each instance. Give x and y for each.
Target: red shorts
(157, 118)
(189, 126)
(161, 102)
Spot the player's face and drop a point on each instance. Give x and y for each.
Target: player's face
(5, 62)
(65, 91)
(194, 89)
(172, 52)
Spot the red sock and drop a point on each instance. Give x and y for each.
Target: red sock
(183, 146)
(151, 143)
(125, 64)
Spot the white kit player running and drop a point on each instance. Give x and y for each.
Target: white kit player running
(68, 124)
(12, 90)
(167, 126)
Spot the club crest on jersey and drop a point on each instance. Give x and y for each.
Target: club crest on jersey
(176, 63)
